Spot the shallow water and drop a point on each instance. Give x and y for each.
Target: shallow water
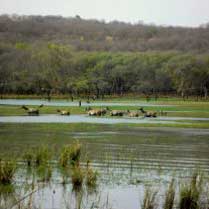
(97, 120)
(71, 104)
(128, 161)
(80, 119)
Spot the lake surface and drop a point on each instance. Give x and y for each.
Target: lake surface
(66, 103)
(128, 159)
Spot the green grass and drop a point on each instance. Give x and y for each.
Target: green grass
(16, 139)
(7, 171)
(175, 108)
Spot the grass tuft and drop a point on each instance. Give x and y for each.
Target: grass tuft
(190, 194)
(91, 177)
(170, 195)
(77, 177)
(149, 200)
(7, 171)
(28, 158)
(70, 154)
(42, 156)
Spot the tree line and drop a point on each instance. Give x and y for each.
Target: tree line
(94, 35)
(27, 68)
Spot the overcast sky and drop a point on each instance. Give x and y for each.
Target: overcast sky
(160, 12)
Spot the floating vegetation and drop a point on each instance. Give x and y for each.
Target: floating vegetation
(169, 196)
(7, 171)
(190, 194)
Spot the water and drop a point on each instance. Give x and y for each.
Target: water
(64, 103)
(129, 159)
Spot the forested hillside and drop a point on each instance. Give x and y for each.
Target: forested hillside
(91, 35)
(76, 56)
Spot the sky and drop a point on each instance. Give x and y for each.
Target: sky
(191, 13)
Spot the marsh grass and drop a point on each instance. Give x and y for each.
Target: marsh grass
(149, 200)
(169, 196)
(44, 172)
(7, 171)
(91, 177)
(70, 154)
(77, 177)
(64, 156)
(28, 158)
(190, 193)
(75, 153)
(42, 156)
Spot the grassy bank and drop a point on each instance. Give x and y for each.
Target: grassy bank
(186, 109)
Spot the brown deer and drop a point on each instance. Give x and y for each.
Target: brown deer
(133, 113)
(32, 111)
(116, 113)
(63, 112)
(148, 114)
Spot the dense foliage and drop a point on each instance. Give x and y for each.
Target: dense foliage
(74, 56)
(93, 35)
(29, 69)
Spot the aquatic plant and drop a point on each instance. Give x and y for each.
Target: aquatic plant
(169, 197)
(70, 154)
(64, 156)
(149, 200)
(75, 153)
(190, 194)
(91, 176)
(44, 172)
(7, 171)
(42, 156)
(77, 177)
(28, 157)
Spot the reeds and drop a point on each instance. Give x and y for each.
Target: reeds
(91, 176)
(77, 177)
(64, 156)
(190, 194)
(75, 153)
(149, 200)
(70, 154)
(42, 156)
(169, 196)
(28, 158)
(7, 171)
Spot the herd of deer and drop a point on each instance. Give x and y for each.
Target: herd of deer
(101, 112)
(104, 111)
